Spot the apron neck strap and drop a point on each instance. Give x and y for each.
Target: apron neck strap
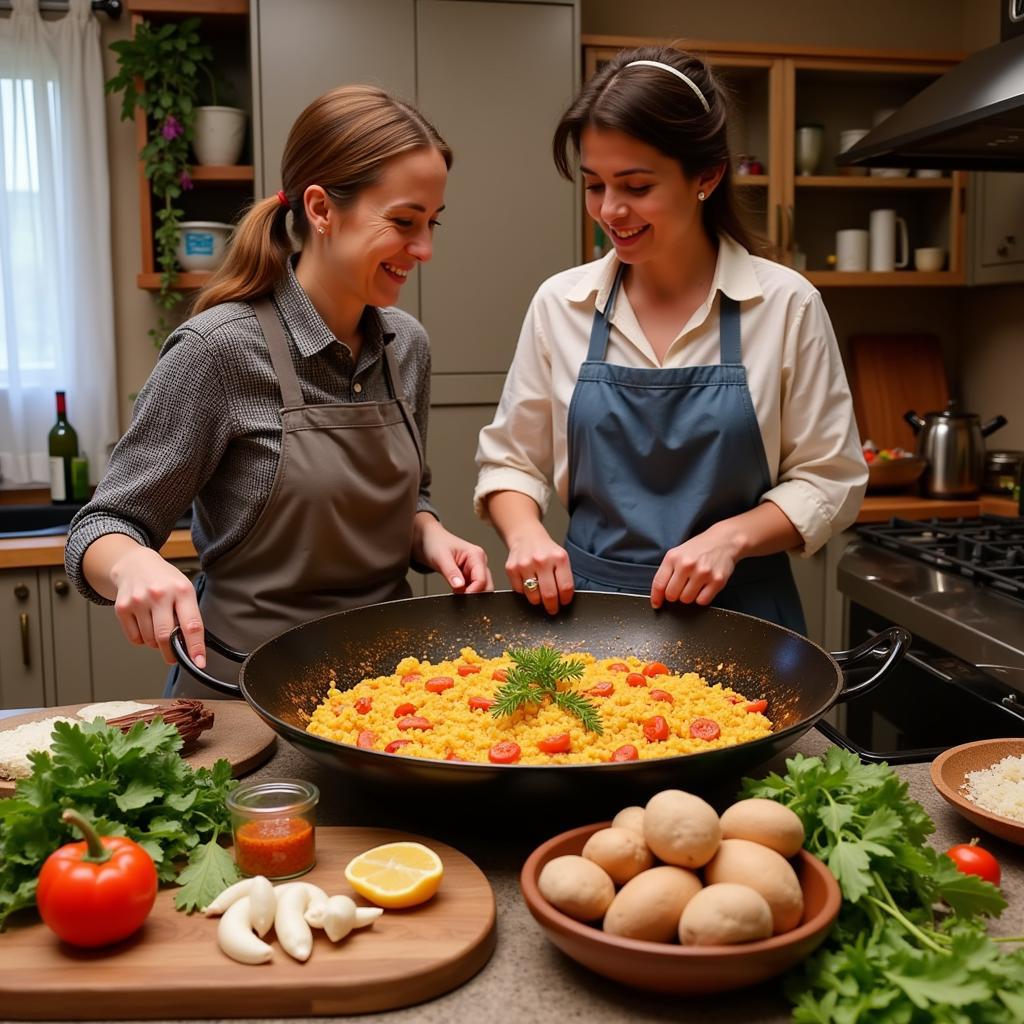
(602, 324)
(280, 357)
(729, 329)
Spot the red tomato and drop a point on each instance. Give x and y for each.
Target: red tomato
(414, 722)
(635, 679)
(663, 695)
(411, 677)
(500, 674)
(560, 744)
(468, 670)
(439, 684)
(481, 703)
(758, 706)
(627, 752)
(656, 729)
(704, 729)
(504, 752)
(404, 709)
(396, 745)
(869, 456)
(602, 689)
(655, 668)
(366, 739)
(363, 705)
(452, 756)
(971, 859)
(618, 666)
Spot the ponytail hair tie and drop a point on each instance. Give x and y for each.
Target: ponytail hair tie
(283, 200)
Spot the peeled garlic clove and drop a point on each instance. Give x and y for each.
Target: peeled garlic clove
(262, 905)
(235, 936)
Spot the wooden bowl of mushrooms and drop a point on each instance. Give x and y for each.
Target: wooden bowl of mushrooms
(673, 898)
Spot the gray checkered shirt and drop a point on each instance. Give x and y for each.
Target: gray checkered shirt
(206, 427)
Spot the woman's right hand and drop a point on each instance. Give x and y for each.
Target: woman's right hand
(152, 598)
(533, 554)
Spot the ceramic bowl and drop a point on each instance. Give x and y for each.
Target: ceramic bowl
(949, 771)
(201, 244)
(895, 474)
(664, 967)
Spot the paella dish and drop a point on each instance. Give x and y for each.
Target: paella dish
(538, 707)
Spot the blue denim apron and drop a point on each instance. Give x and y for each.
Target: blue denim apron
(658, 455)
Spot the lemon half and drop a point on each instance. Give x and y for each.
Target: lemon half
(396, 875)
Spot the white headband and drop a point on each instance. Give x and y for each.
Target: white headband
(675, 71)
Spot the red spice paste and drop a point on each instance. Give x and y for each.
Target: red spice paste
(276, 847)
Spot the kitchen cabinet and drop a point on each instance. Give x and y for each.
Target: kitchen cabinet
(773, 90)
(22, 677)
(996, 219)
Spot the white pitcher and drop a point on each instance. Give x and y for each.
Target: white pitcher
(883, 224)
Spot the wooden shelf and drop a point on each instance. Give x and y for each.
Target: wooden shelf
(187, 8)
(865, 182)
(187, 280)
(750, 180)
(212, 174)
(898, 278)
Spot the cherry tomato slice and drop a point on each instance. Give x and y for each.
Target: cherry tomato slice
(468, 670)
(972, 859)
(602, 689)
(735, 700)
(452, 756)
(439, 684)
(704, 729)
(656, 729)
(500, 674)
(411, 677)
(415, 722)
(655, 668)
(627, 752)
(758, 706)
(366, 739)
(396, 745)
(481, 703)
(404, 709)
(635, 679)
(662, 695)
(363, 705)
(504, 752)
(560, 744)
(618, 666)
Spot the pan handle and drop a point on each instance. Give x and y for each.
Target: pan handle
(186, 662)
(888, 646)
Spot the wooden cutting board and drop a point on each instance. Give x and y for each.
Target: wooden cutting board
(889, 374)
(238, 734)
(173, 969)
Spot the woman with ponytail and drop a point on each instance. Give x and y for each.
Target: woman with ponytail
(291, 410)
(682, 396)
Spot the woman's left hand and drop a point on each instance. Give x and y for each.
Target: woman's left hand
(698, 569)
(462, 564)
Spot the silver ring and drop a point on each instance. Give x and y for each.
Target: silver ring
(530, 583)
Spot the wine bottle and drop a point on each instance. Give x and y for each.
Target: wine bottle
(63, 447)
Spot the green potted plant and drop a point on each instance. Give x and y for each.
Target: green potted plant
(161, 70)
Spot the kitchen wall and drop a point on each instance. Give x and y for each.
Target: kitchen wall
(978, 327)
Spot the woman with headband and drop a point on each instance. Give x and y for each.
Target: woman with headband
(683, 397)
(291, 409)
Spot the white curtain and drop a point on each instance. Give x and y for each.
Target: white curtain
(56, 289)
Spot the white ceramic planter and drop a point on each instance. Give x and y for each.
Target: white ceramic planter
(201, 245)
(219, 135)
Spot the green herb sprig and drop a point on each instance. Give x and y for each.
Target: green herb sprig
(536, 675)
(132, 784)
(892, 958)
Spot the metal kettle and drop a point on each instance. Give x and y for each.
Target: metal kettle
(954, 445)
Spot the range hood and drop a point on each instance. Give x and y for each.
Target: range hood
(970, 119)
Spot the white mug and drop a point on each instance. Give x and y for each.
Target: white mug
(929, 259)
(883, 241)
(852, 249)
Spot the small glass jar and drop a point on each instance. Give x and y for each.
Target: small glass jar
(274, 826)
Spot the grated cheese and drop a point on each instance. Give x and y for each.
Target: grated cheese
(999, 789)
(17, 743)
(109, 709)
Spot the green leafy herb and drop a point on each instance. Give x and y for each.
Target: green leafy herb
(131, 784)
(538, 675)
(892, 958)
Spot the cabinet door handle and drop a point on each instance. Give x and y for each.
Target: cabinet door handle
(61, 587)
(26, 649)
(21, 592)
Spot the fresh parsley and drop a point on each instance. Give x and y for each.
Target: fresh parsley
(892, 958)
(131, 784)
(540, 674)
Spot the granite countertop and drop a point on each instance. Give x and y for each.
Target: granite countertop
(527, 979)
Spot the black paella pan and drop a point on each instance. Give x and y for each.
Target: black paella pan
(285, 679)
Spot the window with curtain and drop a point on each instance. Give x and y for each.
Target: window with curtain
(56, 293)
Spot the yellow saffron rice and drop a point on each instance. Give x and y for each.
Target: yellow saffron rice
(441, 724)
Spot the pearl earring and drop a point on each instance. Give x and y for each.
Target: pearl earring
(701, 196)
(320, 229)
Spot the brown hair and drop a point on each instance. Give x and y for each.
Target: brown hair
(341, 141)
(656, 107)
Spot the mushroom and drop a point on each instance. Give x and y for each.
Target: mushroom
(235, 935)
(343, 916)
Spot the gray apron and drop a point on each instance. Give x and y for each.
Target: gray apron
(657, 456)
(337, 530)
